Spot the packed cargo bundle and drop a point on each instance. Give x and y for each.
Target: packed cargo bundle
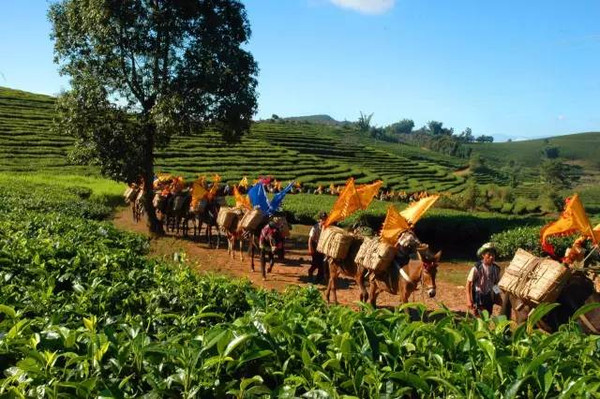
(335, 242)
(534, 279)
(252, 219)
(228, 218)
(375, 254)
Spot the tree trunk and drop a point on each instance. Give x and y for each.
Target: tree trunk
(155, 226)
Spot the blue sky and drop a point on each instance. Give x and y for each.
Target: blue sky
(510, 69)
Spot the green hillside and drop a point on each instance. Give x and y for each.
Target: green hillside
(582, 147)
(311, 153)
(26, 141)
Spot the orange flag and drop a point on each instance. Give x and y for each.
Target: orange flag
(572, 219)
(393, 225)
(241, 201)
(198, 192)
(417, 209)
(366, 192)
(352, 199)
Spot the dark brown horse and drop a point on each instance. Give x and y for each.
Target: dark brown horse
(578, 291)
(405, 280)
(349, 268)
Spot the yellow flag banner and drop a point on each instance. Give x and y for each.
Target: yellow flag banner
(241, 201)
(572, 219)
(417, 209)
(198, 192)
(351, 200)
(366, 192)
(393, 225)
(244, 182)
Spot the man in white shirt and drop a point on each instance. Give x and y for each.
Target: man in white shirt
(482, 282)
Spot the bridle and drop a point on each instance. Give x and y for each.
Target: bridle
(427, 267)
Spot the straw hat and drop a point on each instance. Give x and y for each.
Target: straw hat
(487, 247)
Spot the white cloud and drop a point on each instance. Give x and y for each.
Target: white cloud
(366, 6)
(561, 117)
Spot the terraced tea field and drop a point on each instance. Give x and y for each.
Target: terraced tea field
(26, 141)
(312, 154)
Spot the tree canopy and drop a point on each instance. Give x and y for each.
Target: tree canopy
(143, 70)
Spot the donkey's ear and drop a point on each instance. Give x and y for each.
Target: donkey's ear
(438, 256)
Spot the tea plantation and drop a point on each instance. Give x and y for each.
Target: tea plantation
(83, 313)
(312, 154)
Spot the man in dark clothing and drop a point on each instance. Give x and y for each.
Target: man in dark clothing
(482, 282)
(317, 258)
(269, 242)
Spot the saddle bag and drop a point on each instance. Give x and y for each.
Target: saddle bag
(335, 242)
(227, 218)
(534, 279)
(375, 255)
(252, 219)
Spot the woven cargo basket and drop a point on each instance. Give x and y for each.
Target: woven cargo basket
(227, 218)
(252, 220)
(375, 255)
(335, 242)
(534, 279)
(591, 320)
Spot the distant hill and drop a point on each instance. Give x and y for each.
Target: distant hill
(582, 148)
(322, 119)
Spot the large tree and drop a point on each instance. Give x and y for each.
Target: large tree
(143, 70)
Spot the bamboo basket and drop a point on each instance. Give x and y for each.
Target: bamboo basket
(335, 242)
(227, 218)
(252, 220)
(534, 279)
(375, 255)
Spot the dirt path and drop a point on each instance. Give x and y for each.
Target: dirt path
(450, 278)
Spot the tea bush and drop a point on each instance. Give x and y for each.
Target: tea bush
(83, 313)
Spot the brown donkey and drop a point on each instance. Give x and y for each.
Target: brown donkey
(405, 280)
